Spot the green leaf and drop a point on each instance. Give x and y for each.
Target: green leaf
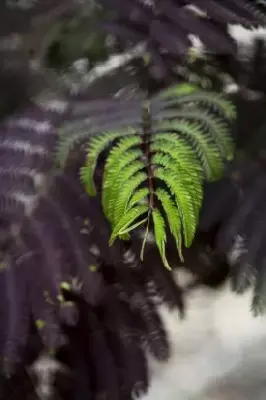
(205, 148)
(134, 226)
(214, 101)
(125, 195)
(79, 131)
(160, 235)
(173, 218)
(184, 203)
(116, 187)
(40, 324)
(191, 181)
(178, 149)
(96, 146)
(216, 129)
(140, 196)
(119, 158)
(178, 138)
(178, 90)
(145, 237)
(119, 153)
(127, 219)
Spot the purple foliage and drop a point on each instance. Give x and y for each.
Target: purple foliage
(165, 26)
(51, 232)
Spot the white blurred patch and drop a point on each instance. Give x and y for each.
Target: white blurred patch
(218, 342)
(237, 250)
(245, 36)
(44, 368)
(218, 351)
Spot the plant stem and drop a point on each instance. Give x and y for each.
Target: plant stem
(147, 132)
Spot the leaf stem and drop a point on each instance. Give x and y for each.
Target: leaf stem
(147, 132)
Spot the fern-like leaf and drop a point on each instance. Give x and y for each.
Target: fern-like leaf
(173, 218)
(216, 129)
(128, 219)
(183, 200)
(205, 149)
(192, 182)
(128, 189)
(213, 100)
(139, 197)
(157, 162)
(96, 146)
(120, 157)
(160, 235)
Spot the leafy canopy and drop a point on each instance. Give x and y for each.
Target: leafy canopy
(160, 152)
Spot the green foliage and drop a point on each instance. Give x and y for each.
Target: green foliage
(157, 162)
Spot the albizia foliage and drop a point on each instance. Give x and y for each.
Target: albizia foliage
(54, 241)
(166, 27)
(57, 269)
(161, 150)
